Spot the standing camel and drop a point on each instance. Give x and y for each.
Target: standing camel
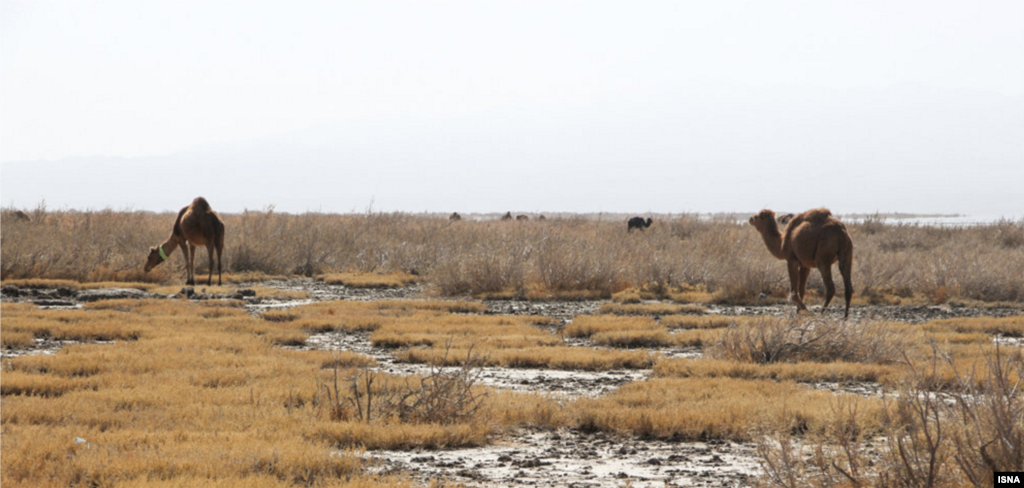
(638, 223)
(813, 239)
(196, 225)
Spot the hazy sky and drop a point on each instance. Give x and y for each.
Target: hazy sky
(487, 106)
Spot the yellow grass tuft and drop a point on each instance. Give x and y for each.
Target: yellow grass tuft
(701, 321)
(650, 309)
(805, 372)
(188, 393)
(369, 280)
(707, 408)
(1004, 326)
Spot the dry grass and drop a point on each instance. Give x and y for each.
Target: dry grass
(441, 333)
(650, 309)
(192, 392)
(550, 357)
(683, 260)
(707, 408)
(930, 440)
(369, 280)
(796, 338)
(628, 332)
(702, 321)
(803, 372)
(1005, 326)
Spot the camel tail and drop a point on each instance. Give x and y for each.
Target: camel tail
(218, 245)
(846, 269)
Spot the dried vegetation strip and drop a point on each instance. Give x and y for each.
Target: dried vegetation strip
(680, 257)
(369, 280)
(650, 309)
(708, 408)
(645, 332)
(200, 396)
(820, 349)
(443, 333)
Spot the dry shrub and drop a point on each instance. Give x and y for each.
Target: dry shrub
(926, 439)
(680, 258)
(776, 339)
(443, 397)
(835, 455)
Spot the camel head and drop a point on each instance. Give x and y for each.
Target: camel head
(761, 219)
(154, 258)
(649, 222)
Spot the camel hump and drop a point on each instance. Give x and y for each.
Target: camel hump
(201, 204)
(816, 217)
(817, 214)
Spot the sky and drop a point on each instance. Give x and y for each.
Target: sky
(522, 106)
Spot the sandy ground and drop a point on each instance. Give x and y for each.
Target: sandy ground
(563, 458)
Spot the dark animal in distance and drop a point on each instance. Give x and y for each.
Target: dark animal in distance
(522, 217)
(507, 216)
(17, 215)
(813, 239)
(196, 225)
(454, 217)
(638, 223)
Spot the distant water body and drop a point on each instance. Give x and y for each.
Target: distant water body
(945, 220)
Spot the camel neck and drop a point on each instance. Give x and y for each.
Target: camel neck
(169, 246)
(773, 239)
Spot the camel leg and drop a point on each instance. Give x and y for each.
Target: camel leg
(184, 255)
(830, 287)
(794, 284)
(804, 273)
(846, 269)
(209, 253)
(191, 264)
(219, 249)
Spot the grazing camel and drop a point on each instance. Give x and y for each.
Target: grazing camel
(522, 217)
(196, 225)
(813, 239)
(507, 216)
(638, 223)
(17, 215)
(454, 217)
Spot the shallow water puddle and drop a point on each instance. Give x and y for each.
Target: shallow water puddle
(567, 383)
